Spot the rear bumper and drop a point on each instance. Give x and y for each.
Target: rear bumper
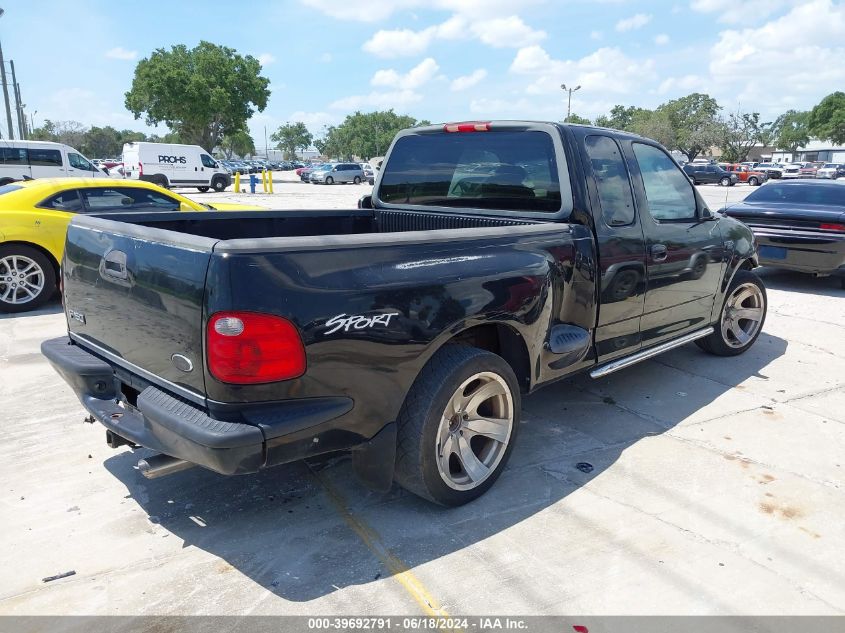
(803, 251)
(280, 433)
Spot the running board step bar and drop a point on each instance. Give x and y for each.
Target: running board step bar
(633, 359)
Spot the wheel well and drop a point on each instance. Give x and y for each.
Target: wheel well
(43, 251)
(503, 341)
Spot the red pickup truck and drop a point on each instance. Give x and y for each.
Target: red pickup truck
(744, 173)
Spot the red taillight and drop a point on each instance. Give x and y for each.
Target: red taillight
(832, 227)
(247, 348)
(469, 126)
(140, 169)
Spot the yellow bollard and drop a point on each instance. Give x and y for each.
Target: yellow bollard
(270, 180)
(264, 179)
(237, 182)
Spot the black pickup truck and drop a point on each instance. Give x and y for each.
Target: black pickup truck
(491, 258)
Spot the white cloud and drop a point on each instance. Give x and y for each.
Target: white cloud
(684, 84)
(119, 52)
(796, 58)
(314, 121)
(596, 35)
(468, 81)
(752, 10)
(398, 43)
(265, 59)
(378, 11)
(605, 74)
(633, 23)
(415, 78)
(662, 39)
(379, 100)
(509, 32)
(503, 32)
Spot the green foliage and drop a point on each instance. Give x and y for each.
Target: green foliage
(740, 132)
(827, 120)
(239, 143)
(620, 117)
(201, 93)
(292, 137)
(790, 130)
(695, 124)
(68, 132)
(365, 135)
(574, 118)
(102, 142)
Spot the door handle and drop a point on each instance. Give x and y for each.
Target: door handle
(659, 252)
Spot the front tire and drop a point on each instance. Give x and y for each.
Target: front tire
(725, 182)
(741, 318)
(27, 278)
(329, 180)
(753, 181)
(357, 180)
(457, 426)
(218, 184)
(202, 189)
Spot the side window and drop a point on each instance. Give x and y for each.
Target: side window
(669, 193)
(64, 201)
(45, 157)
(612, 183)
(13, 156)
(77, 162)
(128, 199)
(207, 161)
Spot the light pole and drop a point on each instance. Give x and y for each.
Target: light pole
(569, 101)
(32, 121)
(6, 91)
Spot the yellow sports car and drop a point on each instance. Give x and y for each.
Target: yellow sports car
(33, 220)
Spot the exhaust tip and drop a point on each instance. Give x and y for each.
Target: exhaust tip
(162, 465)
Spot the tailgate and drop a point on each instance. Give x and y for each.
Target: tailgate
(134, 295)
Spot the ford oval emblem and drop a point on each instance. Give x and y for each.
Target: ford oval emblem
(182, 363)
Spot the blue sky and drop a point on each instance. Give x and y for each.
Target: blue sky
(438, 59)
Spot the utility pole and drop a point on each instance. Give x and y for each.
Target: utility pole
(569, 101)
(18, 109)
(6, 90)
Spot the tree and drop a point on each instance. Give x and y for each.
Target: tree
(740, 132)
(239, 143)
(292, 137)
(102, 142)
(201, 93)
(827, 119)
(574, 118)
(695, 123)
(365, 134)
(620, 117)
(790, 130)
(68, 132)
(654, 124)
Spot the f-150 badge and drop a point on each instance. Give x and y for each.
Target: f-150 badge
(357, 322)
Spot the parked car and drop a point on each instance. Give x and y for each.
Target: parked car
(809, 170)
(799, 225)
(174, 165)
(409, 328)
(772, 170)
(747, 174)
(340, 173)
(792, 170)
(831, 171)
(705, 173)
(369, 174)
(34, 216)
(26, 160)
(305, 173)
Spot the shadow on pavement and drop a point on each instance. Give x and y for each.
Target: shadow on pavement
(306, 530)
(53, 306)
(777, 279)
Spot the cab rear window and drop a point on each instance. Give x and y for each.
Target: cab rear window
(485, 170)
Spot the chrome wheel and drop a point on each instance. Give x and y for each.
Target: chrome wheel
(474, 431)
(21, 279)
(742, 315)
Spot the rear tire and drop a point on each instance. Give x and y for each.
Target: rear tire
(161, 181)
(202, 189)
(741, 318)
(357, 180)
(457, 426)
(27, 278)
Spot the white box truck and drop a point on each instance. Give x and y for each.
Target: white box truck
(24, 160)
(172, 165)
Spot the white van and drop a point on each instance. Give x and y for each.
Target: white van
(24, 160)
(170, 165)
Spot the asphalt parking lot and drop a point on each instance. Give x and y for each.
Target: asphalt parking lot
(706, 486)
